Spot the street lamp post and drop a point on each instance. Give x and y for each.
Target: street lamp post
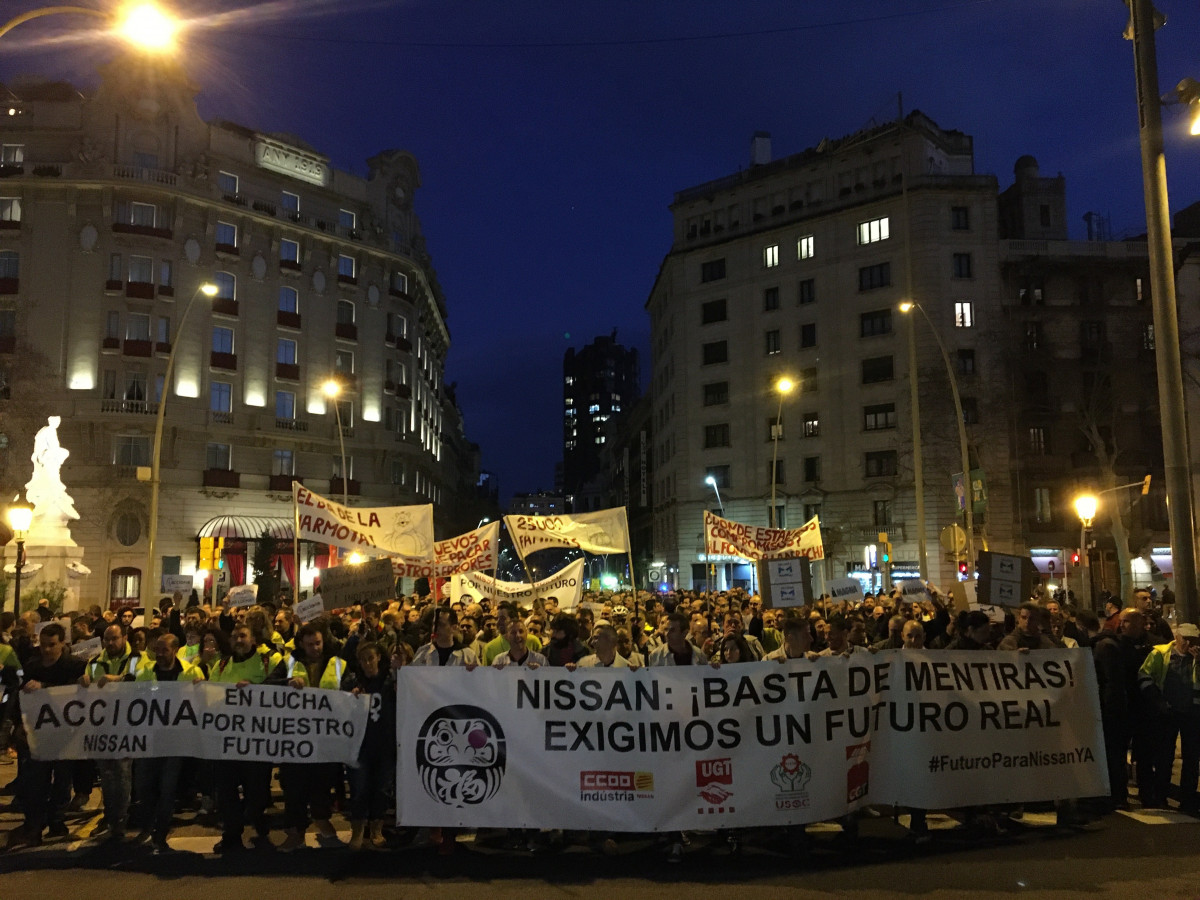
(914, 394)
(20, 516)
(783, 387)
(1176, 465)
(963, 447)
(1085, 508)
(712, 483)
(208, 290)
(332, 389)
(145, 26)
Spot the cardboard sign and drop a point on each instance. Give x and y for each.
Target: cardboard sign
(243, 595)
(843, 590)
(785, 582)
(177, 583)
(913, 590)
(307, 610)
(354, 584)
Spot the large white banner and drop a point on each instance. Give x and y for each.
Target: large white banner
(474, 551)
(397, 530)
(767, 743)
(204, 720)
(722, 536)
(566, 584)
(603, 531)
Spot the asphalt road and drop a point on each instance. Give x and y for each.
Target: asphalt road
(1139, 855)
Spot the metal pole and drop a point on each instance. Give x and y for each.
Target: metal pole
(1176, 464)
(156, 458)
(19, 565)
(963, 447)
(337, 412)
(775, 456)
(1085, 577)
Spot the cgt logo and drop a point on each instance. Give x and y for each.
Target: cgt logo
(640, 782)
(714, 778)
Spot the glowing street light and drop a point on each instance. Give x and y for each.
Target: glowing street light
(144, 25)
(783, 387)
(1085, 507)
(148, 590)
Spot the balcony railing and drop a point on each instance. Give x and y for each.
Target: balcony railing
(139, 290)
(9, 285)
(223, 478)
(218, 417)
(140, 173)
(131, 407)
(353, 488)
(144, 230)
(287, 319)
(291, 424)
(134, 347)
(226, 361)
(225, 306)
(346, 330)
(290, 371)
(282, 483)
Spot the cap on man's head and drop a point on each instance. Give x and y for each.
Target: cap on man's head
(1187, 630)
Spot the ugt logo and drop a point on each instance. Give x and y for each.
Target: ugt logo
(714, 778)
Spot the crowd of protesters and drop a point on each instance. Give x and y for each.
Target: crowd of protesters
(1148, 676)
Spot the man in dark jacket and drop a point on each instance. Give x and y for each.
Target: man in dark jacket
(46, 784)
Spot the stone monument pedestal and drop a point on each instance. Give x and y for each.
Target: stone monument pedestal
(54, 563)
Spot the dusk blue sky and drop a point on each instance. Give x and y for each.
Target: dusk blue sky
(552, 135)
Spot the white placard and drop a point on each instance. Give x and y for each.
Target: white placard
(913, 590)
(243, 595)
(86, 649)
(843, 590)
(307, 610)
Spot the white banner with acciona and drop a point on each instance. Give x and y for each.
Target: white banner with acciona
(257, 722)
(679, 748)
(566, 584)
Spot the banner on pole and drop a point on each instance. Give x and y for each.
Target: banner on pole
(725, 538)
(243, 595)
(603, 531)
(474, 551)
(355, 583)
(308, 609)
(209, 721)
(679, 748)
(397, 530)
(566, 584)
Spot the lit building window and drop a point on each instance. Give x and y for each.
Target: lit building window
(874, 230)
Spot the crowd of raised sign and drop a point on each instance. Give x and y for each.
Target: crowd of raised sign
(1148, 676)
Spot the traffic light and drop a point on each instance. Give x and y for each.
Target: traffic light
(207, 546)
(1075, 559)
(219, 554)
(963, 569)
(885, 549)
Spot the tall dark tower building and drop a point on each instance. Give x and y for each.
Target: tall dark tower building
(599, 382)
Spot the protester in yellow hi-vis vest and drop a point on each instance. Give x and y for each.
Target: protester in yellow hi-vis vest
(245, 665)
(116, 662)
(309, 786)
(157, 778)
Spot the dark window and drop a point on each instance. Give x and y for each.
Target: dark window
(1033, 335)
(716, 393)
(960, 218)
(1038, 445)
(774, 429)
(876, 276)
(808, 379)
(713, 270)
(876, 369)
(970, 407)
(1091, 335)
(812, 468)
(808, 334)
(812, 424)
(715, 352)
(962, 265)
(880, 463)
(881, 513)
(1032, 292)
(808, 291)
(879, 416)
(877, 321)
(1037, 388)
(1045, 215)
(774, 343)
(716, 435)
(966, 362)
(780, 477)
(713, 311)
(719, 474)
(771, 299)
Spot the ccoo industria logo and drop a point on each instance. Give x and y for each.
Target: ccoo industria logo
(460, 755)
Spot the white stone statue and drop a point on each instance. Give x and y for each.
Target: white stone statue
(53, 507)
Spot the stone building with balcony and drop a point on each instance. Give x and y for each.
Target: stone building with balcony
(798, 266)
(115, 207)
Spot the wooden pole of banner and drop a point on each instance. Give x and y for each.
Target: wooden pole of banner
(295, 547)
(629, 553)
